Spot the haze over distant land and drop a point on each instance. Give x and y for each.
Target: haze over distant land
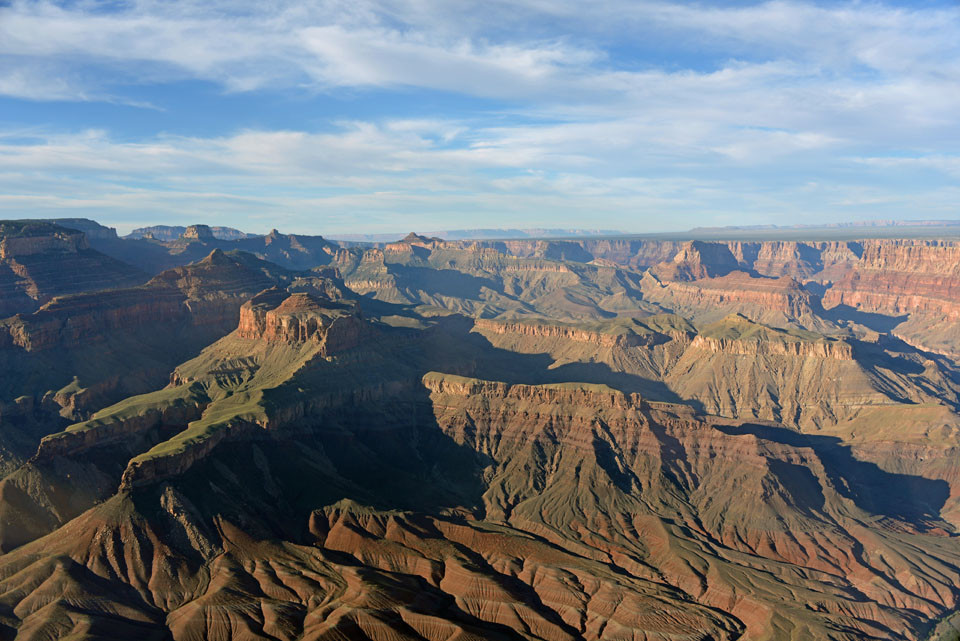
(861, 229)
(382, 115)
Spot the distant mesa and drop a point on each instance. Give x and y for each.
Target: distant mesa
(93, 230)
(198, 232)
(166, 233)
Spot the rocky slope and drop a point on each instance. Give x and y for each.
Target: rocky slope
(492, 524)
(81, 352)
(735, 367)
(40, 260)
(485, 282)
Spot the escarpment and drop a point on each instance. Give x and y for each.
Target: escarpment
(832, 349)
(46, 239)
(206, 294)
(116, 427)
(611, 338)
(300, 317)
(39, 261)
(776, 301)
(903, 277)
(92, 318)
(484, 282)
(650, 451)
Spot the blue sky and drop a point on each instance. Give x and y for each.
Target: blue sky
(342, 116)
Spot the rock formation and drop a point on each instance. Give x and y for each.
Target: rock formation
(432, 440)
(40, 260)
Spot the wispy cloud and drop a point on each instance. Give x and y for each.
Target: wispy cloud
(627, 107)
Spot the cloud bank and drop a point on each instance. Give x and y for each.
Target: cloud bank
(635, 115)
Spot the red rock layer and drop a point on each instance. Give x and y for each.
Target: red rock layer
(902, 277)
(781, 294)
(298, 318)
(574, 334)
(835, 349)
(747, 503)
(33, 269)
(208, 293)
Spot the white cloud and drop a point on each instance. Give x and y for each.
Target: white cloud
(769, 95)
(405, 174)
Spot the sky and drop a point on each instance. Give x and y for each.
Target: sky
(372, 116)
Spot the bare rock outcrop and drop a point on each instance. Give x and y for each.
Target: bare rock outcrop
(274, 315)
(902, 277)
(833, 349)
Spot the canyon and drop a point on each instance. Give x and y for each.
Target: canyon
(206, 434)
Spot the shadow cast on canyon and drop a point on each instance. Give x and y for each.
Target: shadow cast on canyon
(903, 497)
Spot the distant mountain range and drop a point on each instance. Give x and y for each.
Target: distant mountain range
(483, 234)
(173, 232)
(868, 228)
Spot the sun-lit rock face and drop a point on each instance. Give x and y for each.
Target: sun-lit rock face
(198, 232)
(804, 349)
(61, 241)
(902, 277)
(274, 315)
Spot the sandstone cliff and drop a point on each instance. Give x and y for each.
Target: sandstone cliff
(39, 260)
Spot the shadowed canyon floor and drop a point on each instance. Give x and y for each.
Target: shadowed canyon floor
(280, 437)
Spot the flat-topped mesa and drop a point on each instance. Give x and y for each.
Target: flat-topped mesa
(622, 337)
(39, 239)
(198, 232)
(782, 294)
(276, 316)
(738, 335)
(575, 395)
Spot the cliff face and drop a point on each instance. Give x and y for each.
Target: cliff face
(779, 301)
(93, 318)
(297, 318)
(820, 260)
(735, 367)
(697, 260)
(40, 261)
(65, 241)
(837, 350)
(206, 294)
(651, 451)
(481, 281)
(577, 335)
(902, 277)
